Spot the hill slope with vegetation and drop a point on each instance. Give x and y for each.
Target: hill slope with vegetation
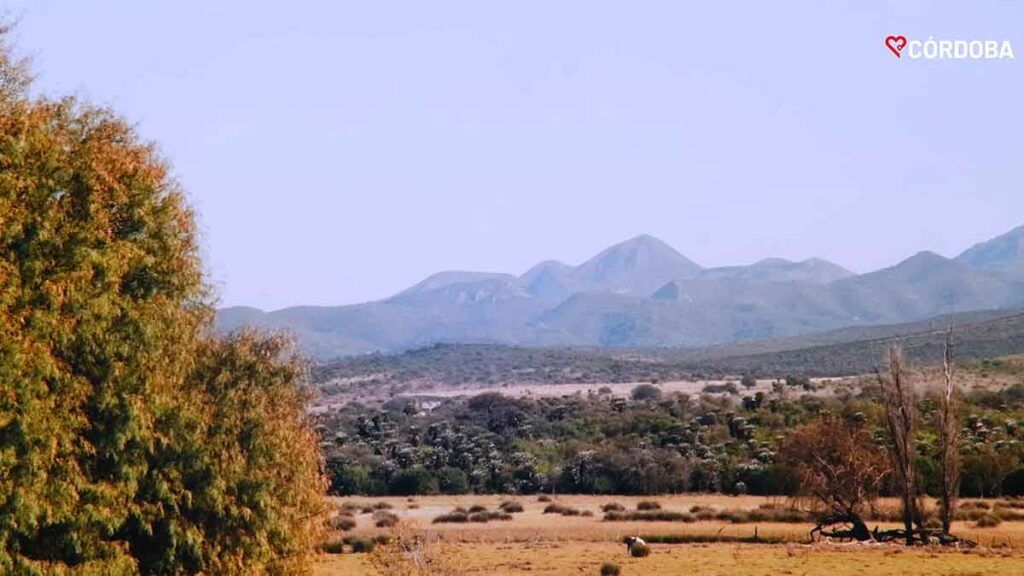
(840, 353)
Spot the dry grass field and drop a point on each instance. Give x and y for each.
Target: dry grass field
(552, 544)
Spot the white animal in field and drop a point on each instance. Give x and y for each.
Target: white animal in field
(634, 541)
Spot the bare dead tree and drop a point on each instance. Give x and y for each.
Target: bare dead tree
(949, 455)
(900, 420)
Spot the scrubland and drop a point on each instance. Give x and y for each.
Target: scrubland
(534, 542)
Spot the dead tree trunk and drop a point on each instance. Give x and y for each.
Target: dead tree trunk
(898, 400)
(949, 456)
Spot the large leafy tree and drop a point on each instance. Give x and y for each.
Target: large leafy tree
(131, 439)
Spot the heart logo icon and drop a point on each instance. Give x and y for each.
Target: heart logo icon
(896, 44)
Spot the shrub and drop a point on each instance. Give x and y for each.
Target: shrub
(484, 517)
(639, 550)
(452, 481)
(461, 516)
(453, 517)
(649, 516)
(543, 498)
(385, 519)
(648, 505)
(609, 569)
(349, 508)
(989, 521)
(342, 522)
(613, 507)
(1007, 512)
(645, 392)
(359, 545)
(333, 547)
(511, 507)
(477, 508)
(415, 480)
(727, 388)
(561, 509)
(703, 513)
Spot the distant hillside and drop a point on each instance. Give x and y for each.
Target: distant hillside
(643, 293)
(1002, 254)
(839, 353)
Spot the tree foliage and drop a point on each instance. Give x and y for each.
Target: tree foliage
(131, 440)
(837, 463)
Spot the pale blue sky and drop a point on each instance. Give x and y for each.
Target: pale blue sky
(340, 151)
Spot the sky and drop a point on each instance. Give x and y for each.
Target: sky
(338, 152)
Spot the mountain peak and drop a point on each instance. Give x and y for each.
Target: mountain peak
(448, 278)
(1004, 253)
(772, 262)
(639, 251)
(639, 265)
(925, 256)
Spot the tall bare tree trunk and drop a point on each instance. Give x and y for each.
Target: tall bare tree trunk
(947, 432)
(897, 396)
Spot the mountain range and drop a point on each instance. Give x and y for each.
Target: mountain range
(644, 293)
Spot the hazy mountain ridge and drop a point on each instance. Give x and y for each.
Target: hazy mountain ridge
(642, 292)
(1002, 254)
(843, 352)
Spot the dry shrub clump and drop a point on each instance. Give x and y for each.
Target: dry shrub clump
(639, 550)
(609, 569)
(988, 521)
(385, 519)
(408, 552)
(1008, 512)
(613, 507)
(342, 522)
(648, 505)
(511, 507)
(349, 508)
(649, 516)
(372, 507)
(561, 509)
(476, 514)
(332, 547)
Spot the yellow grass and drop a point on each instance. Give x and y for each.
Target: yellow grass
(557, 558)
(536, 543)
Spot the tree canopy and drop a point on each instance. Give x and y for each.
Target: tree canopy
(132, 439)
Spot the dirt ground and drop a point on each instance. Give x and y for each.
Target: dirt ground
(536, 543)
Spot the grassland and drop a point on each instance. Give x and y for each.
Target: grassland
(537, 543)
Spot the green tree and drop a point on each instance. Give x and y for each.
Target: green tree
(131, 440)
